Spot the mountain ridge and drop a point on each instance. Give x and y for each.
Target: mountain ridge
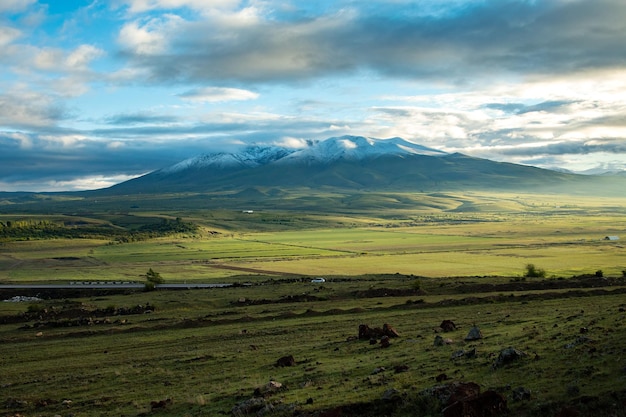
(349, 163)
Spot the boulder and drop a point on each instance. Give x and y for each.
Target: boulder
(268, 389)
(438, 341)
(508, 356)
(474, 334)
(447, 326)
(286, 361)
(389, 331)
(384, 342)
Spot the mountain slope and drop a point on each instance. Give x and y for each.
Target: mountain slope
(349, 163)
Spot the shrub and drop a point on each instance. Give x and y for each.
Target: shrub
(533, 272)
(599, 273)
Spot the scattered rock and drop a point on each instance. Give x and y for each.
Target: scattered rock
(156, 405)
(366, 332)
(268, 389)
(438, 341)
(389, 331)
(508, 356)
(441, 378)
(286, 361)
(249, 406)
(474, 334)
(521, 394)
(580, 340)
(384, 342)
(447, 326)
(391, 394)
(450, 393)
(378, 370)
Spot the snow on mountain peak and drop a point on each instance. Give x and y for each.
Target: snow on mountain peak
(329, 150)
(357, 147)
(250, 157)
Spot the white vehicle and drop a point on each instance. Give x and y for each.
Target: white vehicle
(318, 280)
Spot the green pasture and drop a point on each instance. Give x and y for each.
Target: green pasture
(437, 245)
(207, 352)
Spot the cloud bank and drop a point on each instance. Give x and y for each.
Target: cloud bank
(95, 92)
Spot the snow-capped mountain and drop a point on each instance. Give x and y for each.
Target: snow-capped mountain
(357, 148)
(347, 163)
(249, 157)
(326, 151)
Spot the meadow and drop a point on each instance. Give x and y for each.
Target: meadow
(205, 352)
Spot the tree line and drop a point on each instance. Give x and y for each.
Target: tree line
(46, 229)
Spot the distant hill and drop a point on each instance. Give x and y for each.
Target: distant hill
(353, 163)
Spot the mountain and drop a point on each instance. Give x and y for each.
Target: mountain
(348, 163)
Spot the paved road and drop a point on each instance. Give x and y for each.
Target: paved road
(84, 285)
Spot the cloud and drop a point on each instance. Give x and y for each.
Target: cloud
(15, 5)
(21, 107)
(141, 6)
(217, 94)
(474, 42)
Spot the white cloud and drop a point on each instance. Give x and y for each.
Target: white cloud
(217, 94)
(15, 5)
(149, 38)
(141, 6)
(8, 35)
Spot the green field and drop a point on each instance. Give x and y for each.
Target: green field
(460, 257)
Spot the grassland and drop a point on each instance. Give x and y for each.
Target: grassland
(453, 256)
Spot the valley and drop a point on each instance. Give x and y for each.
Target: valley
(409, 260)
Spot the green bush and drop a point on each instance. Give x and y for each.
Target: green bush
(533, 272)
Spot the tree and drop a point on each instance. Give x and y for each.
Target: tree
(534, 272)
(152, 279)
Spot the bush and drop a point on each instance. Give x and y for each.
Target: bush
(599, 273)
(534, 272)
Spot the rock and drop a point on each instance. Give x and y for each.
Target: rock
(373, 341)
(470, 354)
(521, 394)
(286, 361)
(447, 326)
(249, 406)
(268, 389)
(580, 340)
(389, 331)
(365, 332)
(508, 356)
(438, 341)
(474, 334)
(391, 394)
(458, 354)
(384, 342)
(441, 378)
(378, 370)
(450, 393)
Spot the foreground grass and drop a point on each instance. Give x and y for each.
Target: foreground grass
(208, 350)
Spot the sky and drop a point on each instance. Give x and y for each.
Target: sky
(96, 92)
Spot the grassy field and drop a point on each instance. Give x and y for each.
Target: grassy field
(414, 262)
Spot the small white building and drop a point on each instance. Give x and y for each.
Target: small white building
(611, 238)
